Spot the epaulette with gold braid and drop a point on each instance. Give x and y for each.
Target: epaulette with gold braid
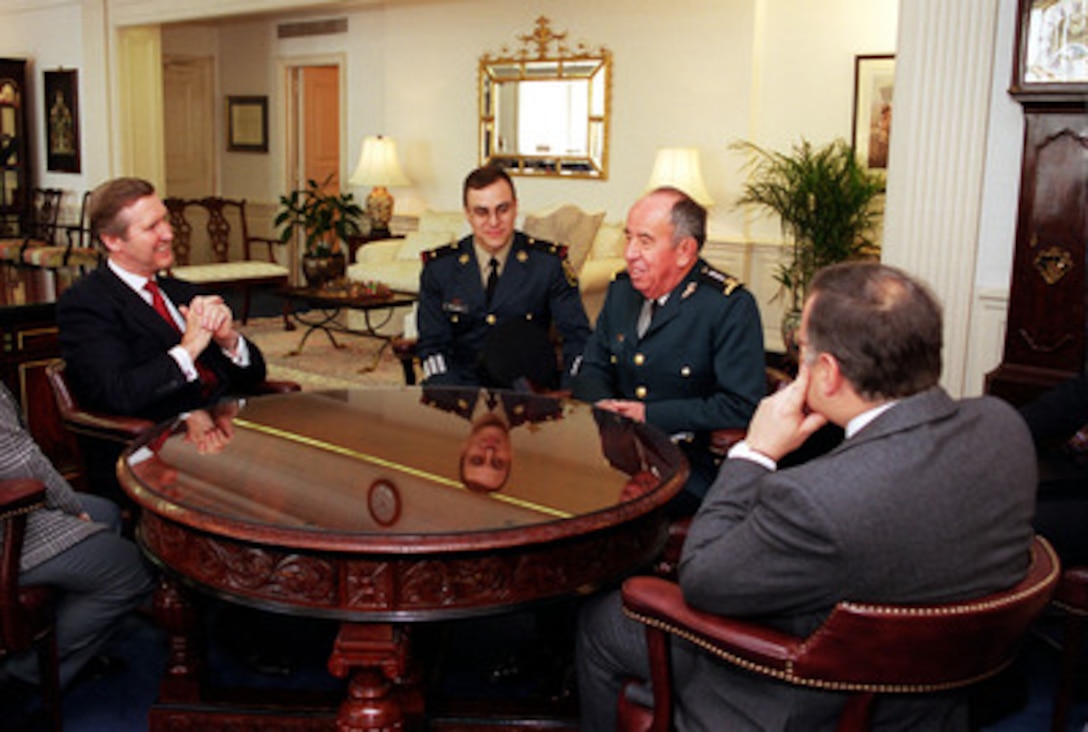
(719, 280)
(442, 251)
(541, 245)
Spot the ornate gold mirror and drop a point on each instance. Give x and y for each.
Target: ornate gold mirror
(546, 113)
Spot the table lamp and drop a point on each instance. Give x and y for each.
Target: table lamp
(378, 167)
(679, 167)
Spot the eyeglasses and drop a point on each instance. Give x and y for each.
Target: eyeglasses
(483, 213)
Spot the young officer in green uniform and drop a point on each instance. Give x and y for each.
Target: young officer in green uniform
(678, 344)
(487, 303)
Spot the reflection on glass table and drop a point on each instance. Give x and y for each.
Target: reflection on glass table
(363, 506)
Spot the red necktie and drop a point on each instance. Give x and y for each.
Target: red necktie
(208, 379)
(159, 304)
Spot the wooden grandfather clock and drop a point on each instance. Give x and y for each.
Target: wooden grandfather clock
(1045, 340)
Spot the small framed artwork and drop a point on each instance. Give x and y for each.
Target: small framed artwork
(874, 78)
(1051, 58)
(247, 124)
(61, 121)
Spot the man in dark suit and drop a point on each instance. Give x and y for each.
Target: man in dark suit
(926, 500)
(488, 302)
(678, 344)
(139, 343)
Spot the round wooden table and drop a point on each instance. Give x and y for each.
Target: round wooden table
(365, 506)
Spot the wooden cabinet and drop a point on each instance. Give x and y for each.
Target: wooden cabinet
(15, 182)
(1045, 331)
(1045, 334)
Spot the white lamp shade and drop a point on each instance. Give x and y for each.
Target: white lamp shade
(679, 167)
(378, 165)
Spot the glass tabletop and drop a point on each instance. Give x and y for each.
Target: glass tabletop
(401, 467)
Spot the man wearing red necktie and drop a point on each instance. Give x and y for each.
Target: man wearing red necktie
(137, 342)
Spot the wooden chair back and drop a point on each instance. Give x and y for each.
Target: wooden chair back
(44, 212)
(213, 230)
(88, 423)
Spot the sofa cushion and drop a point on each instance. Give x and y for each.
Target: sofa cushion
(229, 272)
(452, 222)
(609, 242)
(567, 225)
(417, 242)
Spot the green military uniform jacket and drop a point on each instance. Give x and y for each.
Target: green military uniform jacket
(699, 367)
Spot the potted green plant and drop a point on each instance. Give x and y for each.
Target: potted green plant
(326, 220)
(829, 206)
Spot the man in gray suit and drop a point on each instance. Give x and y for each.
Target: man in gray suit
(73, 544)
(927, 500)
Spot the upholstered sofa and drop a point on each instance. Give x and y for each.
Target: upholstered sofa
(594, 248)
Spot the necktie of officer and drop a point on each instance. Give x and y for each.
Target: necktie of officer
(492, 278)
(208, 379)
(646, 316)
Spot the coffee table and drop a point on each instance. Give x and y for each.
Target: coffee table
(327, 307)
(350, 505)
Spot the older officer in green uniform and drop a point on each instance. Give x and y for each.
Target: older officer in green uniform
(486, 304)
(678, 344)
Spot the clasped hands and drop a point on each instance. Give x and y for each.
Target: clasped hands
(207, 319)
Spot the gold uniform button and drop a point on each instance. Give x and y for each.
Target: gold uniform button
(639, 359)
(455, 319)
(612, 359)
(490, 318)
(528, 316)
(685, 371)
(640, 392)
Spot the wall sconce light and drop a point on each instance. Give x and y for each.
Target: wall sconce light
(378, 167)
(679, 167)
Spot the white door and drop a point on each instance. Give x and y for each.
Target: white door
(188, 125)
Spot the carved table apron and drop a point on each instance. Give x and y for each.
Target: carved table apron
(359, 506)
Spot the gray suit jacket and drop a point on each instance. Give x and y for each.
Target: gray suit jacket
(930, 502)
(57, 527)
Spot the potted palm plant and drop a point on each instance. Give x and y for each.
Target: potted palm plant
(326, 220)
(829, 206)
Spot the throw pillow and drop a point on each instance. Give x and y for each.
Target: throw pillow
(567, 225)
(609, 242)
(451, 222)
(417, 242)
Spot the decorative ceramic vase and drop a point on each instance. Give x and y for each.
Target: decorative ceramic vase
(321, 270)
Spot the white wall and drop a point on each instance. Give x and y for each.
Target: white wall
(61, 48)
(684, 74)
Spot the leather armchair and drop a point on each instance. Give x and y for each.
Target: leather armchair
(114, 427)
(98, 432)
(26, 613)
(861, 648)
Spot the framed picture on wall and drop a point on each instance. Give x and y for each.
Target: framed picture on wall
(874, 78)
(1051, 56)
(61, 121)
(247, 124)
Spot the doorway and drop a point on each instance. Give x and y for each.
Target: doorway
(313, 125)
